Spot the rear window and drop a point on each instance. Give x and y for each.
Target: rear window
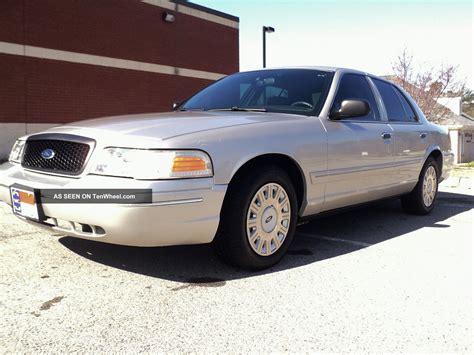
(409, 112)
(393, 105)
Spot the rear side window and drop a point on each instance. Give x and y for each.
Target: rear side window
(354, 86)
(393, 105)
(396, 105)
(410, 114)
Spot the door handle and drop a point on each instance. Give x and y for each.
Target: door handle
(386, 135)
(423, 135)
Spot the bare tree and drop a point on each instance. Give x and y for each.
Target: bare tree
(468, 96)
(403, 69)
(428, 85)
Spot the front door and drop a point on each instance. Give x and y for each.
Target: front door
(360, 150)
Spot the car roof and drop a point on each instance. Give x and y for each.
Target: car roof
(333, 70)
(321, 68)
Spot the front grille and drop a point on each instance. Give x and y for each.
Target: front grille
(68, 157)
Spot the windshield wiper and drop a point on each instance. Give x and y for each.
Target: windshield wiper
(243, 109)
(191, 109)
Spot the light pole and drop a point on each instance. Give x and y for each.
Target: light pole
(265, 30)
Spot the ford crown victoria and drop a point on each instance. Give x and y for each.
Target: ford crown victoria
(237, 164)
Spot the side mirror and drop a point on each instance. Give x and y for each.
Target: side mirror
(175, 105)
(351, 108)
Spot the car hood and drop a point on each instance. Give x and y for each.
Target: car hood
(163, 126)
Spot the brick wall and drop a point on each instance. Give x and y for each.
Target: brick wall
(58, 92)
(36, 90)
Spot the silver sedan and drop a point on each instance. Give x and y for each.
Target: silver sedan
(238, 164)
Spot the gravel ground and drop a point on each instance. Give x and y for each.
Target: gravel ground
(371, 280)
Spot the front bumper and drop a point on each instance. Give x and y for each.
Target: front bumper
(182, 211)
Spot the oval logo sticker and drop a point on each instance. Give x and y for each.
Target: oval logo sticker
(48, 154)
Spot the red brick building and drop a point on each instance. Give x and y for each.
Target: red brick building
(67, 60)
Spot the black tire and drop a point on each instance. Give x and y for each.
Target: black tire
(231, 242)
(413, 203)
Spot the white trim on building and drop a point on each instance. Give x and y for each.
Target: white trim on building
(82, 58)
(192, 12)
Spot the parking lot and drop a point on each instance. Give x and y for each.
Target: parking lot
(369, 280)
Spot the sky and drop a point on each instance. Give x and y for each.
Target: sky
(361, 34)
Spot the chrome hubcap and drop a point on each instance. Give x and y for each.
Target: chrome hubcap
(430, 182)
(268, 219)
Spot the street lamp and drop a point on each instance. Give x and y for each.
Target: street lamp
(265, 30)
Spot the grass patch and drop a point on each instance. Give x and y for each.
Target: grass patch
(468, 165)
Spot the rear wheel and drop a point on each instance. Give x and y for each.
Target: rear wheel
(421, 200)
(258, 219)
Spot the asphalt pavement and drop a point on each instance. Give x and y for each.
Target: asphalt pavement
(370, 280)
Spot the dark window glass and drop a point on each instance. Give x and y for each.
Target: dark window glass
(274, 96)
(243, 89)
(393, 105)
(409, 113)
(300, 91)
(354, 86)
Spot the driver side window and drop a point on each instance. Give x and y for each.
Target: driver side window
(355, 86)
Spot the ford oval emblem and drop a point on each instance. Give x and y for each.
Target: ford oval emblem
(48, 154)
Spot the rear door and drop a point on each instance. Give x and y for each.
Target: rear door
(360, 149)
(410, 139)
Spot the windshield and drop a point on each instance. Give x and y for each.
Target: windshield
(300, 91)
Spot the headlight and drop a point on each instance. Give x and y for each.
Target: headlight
(17, 151)
(152, 164)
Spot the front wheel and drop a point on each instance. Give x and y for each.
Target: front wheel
(258, 219)
(421, 200)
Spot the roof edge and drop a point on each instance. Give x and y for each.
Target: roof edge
(206, 9)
